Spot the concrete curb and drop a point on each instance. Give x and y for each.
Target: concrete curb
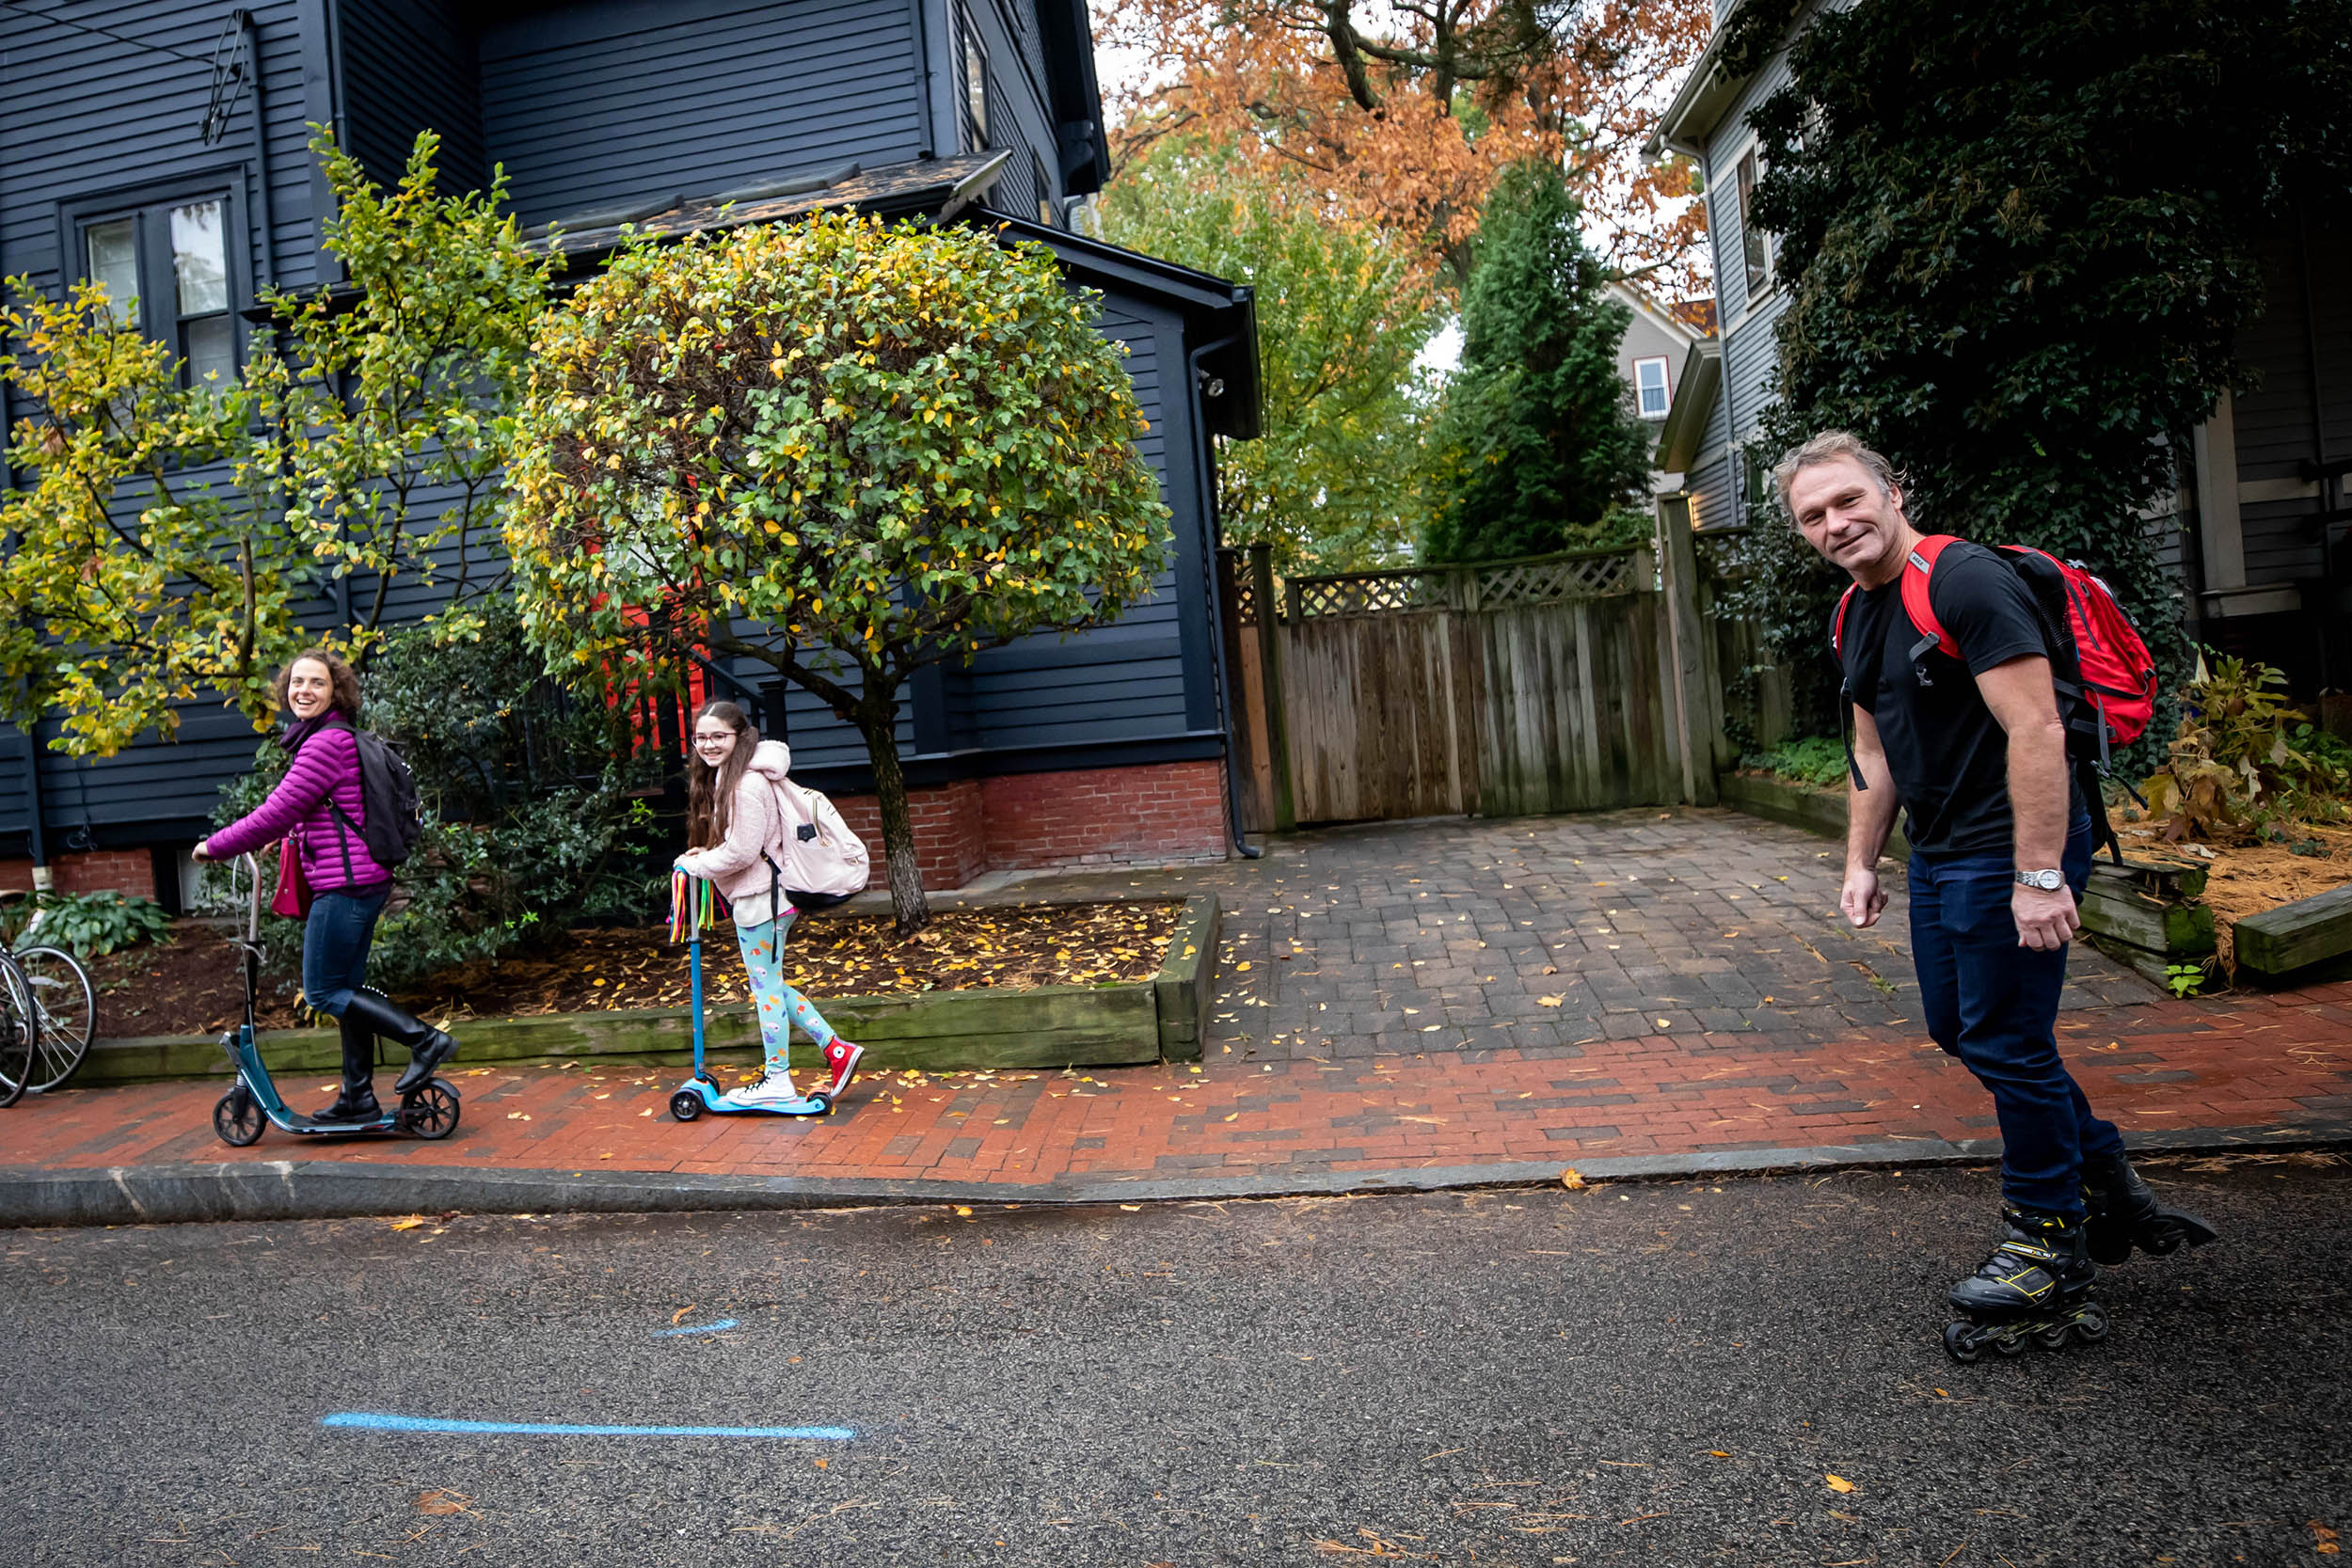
(327, 1188)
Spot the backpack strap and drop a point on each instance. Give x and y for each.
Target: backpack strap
(1844, 686)
(1917, 573)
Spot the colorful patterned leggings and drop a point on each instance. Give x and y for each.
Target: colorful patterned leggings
(780, 1006)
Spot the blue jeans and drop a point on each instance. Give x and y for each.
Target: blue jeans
(334, 945)
(1994, 1004)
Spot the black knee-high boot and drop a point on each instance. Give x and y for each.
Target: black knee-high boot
(428, 1047)
(356, 1103)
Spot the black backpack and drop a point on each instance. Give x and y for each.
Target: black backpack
(394, 817)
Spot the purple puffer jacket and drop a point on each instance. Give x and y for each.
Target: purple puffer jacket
(333, 856)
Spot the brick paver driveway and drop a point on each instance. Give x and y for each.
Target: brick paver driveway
(1465, 934)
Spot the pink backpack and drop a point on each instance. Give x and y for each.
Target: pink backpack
(820, 862)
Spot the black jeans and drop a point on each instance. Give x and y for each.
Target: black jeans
(335, 945)
(1994, 1004)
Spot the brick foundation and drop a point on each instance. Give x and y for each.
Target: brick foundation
(131, 871)
(1021, 821)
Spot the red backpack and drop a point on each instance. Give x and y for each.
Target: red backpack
(2099, 665)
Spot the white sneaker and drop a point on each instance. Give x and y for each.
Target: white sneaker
(774, 1090)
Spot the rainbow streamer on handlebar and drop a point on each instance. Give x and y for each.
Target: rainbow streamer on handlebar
(693, 905)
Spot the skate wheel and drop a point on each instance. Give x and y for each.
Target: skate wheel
(237, 1118)
(2093, 1326)
(2009, 1344)
(430, 1113)
(1961, 1344)
(2053, 1337)
(686, 1105)
(2161, 1242)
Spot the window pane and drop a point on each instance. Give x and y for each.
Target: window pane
(198, 259)
(1751, 238)
(975, 85)
(1650, 377)
(112, 257)
(210, 345)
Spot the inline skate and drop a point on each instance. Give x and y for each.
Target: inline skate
(2035, 1287)
(2125, 1212)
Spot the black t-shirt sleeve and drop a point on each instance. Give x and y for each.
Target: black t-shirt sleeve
(1986, 607)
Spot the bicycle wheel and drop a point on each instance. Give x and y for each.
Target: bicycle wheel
(16, 1033)
(64, 1008)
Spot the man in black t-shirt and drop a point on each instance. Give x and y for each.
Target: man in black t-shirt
(1973, 745)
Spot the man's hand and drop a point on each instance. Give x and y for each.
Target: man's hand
(2045, 921)
(1863, 898)
(203, 850)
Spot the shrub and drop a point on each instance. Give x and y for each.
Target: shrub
(89, 924)
(1814, 760)
(2243, 759)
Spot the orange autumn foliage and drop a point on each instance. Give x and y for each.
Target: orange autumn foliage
(1402, 117)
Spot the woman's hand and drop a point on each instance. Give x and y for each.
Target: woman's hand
(203, 851)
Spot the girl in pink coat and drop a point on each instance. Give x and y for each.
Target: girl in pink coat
(736, 826)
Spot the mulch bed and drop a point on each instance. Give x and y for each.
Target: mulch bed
(189, 984)
(2248, 878)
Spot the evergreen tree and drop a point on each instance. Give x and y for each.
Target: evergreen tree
(1539, 444)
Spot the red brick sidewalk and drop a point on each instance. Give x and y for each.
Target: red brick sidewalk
(2279, 1066)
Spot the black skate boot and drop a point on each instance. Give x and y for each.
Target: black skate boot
(2035, 1286)
(2125, 1213)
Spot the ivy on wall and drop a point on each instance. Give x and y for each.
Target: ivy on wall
(2021, 240)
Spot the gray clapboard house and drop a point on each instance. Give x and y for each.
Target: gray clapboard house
(605, 111)
(2257, 535)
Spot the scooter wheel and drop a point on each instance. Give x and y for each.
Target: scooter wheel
(686, 1105)
(237, 1118)
(823, 1102)
(431, 1112)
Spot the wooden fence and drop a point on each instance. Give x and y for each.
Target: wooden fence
(1566, 682)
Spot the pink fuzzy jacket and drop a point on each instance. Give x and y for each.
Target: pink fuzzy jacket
(755, 822)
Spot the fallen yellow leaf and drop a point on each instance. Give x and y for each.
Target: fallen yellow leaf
(1571, 1179)
(1550, 1001)
(410, 1223)
(1839, 1483)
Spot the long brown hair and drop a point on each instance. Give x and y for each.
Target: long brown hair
(710, 791)
(344, 682)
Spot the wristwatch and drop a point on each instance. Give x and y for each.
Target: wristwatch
(2048, 881)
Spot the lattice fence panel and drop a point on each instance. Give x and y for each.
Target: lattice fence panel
(1245, 599)
(1368, 593)
(1574, 577)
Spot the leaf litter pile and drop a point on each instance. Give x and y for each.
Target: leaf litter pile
(593, 971)
(188, 986)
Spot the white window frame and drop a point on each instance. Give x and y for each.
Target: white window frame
(1665, 384)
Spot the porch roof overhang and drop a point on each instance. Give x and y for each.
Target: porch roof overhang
(1220, 314)
(1685, 428)
(1700, 104)
(937, 188)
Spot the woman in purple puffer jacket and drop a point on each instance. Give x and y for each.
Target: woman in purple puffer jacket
(320, 805)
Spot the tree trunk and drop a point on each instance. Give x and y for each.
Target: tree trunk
(878, 723)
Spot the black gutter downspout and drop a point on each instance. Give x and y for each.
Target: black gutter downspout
(1204, 454)
(260, 150)
(37, 834)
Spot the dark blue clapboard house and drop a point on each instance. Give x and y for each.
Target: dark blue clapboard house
(655, 112)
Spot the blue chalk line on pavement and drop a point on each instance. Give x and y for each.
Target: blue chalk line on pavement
(705, 1328)
(377, 1421)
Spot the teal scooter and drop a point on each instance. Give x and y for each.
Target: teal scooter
(692, 906)
(429, 1111)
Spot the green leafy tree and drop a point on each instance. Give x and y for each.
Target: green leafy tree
(174, 532)
(1336, 483)
(2019, 270)
(842, 449)
(1539, 447)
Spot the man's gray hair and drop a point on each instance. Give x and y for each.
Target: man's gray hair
(1828, 446)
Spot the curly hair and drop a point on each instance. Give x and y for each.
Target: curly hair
(343, 679)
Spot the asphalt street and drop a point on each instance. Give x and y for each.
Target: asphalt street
(1662, 1374)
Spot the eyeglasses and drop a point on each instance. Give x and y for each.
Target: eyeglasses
(719, 739)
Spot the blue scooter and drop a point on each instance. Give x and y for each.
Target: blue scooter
(429, 1111)
(691, 909)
